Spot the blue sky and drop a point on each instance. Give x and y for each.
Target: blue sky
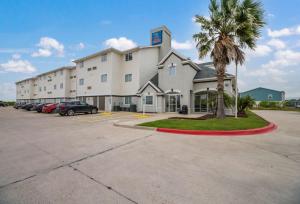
(37, 36)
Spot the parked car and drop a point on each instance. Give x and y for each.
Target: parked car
(49, 108)
(31, 106)
(19, 105)
(2, 104)
(71, 108)
(24, 105)
(39, 108)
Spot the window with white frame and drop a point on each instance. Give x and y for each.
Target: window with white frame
(172, 69)
(104, 58)
(54, 86)
(81, 64)
(81, 82)
(127, 100)
(149, 100)
(270, 96)
(128, 56)
(128, 77)
(44, 88)
(104, 78)
(61, 72)
(61, 85)
(40, 89)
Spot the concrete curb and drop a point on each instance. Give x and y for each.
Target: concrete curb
(134, 126)
(270, 127)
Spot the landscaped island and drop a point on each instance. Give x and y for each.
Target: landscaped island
(229, 123)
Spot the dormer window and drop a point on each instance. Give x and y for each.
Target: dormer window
(128, 56)
(172, 69)
(104, 58)
(81, 64)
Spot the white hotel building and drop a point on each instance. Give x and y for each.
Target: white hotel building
(153, 78)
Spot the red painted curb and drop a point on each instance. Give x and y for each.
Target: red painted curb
(254, 131)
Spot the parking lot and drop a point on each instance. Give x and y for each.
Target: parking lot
(46, 158)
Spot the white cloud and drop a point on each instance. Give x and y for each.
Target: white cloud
(7, 91)
(275, 70)
(284, 58)
(260, 51)
(42, 53)
(284, 32)
(17, 65)
(278, 44)
(187, 45)
(121, 43)
(16, 56)
(80, 46)
(49, 46)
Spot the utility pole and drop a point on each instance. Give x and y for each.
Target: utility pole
(236, 91)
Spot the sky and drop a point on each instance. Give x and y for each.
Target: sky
(38, 36)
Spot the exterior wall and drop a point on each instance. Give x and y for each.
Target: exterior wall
(157, 105)
(142, 67)
(92, 79)
(182, 82)
(25, 90)
(262, 94)
(212, 85)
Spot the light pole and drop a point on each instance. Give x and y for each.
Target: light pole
(236, 91)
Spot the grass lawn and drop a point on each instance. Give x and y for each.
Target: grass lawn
(230, 123)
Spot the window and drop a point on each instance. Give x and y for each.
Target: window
(104, 58)
(128, 77)
(149, 100)
(89, 87)
(54, 73)
(44, 88)
(270, 96)
(81, 82)
(172, 70)
(61, 72)
(128, 56)
(54, 87)
(40, 89)
(94, 68)
(89, 69)
(127, 100)
(61, 85)
(81, 64)
(104, 78)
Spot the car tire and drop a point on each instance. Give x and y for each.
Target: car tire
(94, 111)
(71, 112)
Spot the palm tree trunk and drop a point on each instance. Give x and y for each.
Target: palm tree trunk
(220, 88)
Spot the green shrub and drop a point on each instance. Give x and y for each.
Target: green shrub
(10, 103)
(270, 104)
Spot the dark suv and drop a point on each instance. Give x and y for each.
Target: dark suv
(73, 107)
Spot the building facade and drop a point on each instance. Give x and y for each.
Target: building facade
(152, 78)
(263, 94)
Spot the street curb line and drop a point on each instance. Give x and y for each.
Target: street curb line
(270, 127)
(135, 127)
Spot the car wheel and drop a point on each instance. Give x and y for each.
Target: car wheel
(94, 111)
(71, 112)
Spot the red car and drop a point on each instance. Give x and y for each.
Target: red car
(49, 108)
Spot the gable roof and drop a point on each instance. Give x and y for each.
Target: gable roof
(261, 88)
(208, 72)
(184, 59)
(149, 83)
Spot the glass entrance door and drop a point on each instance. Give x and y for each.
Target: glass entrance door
(173, 103)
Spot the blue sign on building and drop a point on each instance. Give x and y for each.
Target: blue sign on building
(157, 38)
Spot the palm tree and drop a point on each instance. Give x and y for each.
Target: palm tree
(232, 26)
